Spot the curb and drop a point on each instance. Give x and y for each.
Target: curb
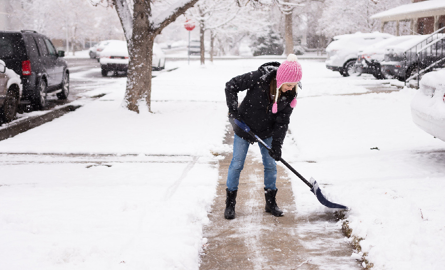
(28, 123)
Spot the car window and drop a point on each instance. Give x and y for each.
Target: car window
(11, 46)
(6, 49)
(31, 46)
(50, 46)
(42, 47)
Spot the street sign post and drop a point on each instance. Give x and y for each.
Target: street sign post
(189, 26)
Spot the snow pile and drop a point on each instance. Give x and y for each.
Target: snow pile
(365, 152)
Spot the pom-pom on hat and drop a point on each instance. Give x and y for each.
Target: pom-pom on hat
(290, 71)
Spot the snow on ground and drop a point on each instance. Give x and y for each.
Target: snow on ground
(104, 188)
(366, 153)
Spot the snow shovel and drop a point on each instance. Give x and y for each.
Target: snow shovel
(313, 186)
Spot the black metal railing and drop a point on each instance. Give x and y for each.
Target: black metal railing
(424, 56)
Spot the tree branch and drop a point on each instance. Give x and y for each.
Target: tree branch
(164, 19)
(125, 16)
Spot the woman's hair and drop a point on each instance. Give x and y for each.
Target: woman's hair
(273, 87)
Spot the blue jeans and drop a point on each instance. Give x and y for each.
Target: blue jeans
(240, 147)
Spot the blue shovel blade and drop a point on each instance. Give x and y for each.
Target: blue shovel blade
(322, 199)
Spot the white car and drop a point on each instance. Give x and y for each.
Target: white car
(92, 51)
(428, 105)
(115, 57)
(342, 51)
(101, 46)
(10, 93)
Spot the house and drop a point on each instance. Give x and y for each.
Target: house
(426, 16)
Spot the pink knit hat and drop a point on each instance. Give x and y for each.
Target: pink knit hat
(289, 72)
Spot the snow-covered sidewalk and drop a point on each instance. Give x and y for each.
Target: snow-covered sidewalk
(105, 188)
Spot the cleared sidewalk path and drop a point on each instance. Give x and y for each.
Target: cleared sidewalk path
(257, 240)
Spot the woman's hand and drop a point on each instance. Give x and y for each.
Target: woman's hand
(275, 151)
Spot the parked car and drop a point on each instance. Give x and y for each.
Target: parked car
(92, 51)
(41, 68)
(101, 46)
(10, 93)
(428, 105)
(400, 63)
(342, 51)
(115, 57)
(369, 58)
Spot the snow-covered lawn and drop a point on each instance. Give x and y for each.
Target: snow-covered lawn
(104, 188)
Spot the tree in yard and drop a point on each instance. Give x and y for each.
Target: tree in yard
(77, 21)
(350, 16)
(211, 15)
(142, 21)
(287, 8)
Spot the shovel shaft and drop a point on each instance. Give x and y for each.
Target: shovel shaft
(296, 173)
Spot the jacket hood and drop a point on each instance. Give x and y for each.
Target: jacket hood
(269, 70)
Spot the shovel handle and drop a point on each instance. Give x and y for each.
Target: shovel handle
(296, 173)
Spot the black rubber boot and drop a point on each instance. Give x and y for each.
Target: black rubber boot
(271, 203)
(229, 213)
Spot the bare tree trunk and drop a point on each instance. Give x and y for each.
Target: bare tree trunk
(201, 41)
(289, 41)
(212, 42)
(140, 51)
(140, 33)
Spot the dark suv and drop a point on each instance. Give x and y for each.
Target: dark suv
(41, 68)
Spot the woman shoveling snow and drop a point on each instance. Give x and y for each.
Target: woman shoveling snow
(266, 109)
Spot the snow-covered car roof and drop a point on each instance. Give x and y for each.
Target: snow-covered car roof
(115, 48)
(358, 39)
(381, 46)
(433, 79)
(119, 48)
(408, 44)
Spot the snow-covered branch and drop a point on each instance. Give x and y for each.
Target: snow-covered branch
(124, 11)
(166, 17)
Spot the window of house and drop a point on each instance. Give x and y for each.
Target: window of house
(421, 28)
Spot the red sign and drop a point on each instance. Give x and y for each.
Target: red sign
(189, 25)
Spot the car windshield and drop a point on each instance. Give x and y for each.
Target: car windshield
(10, 46)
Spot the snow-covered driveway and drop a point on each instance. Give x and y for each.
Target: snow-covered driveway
(104, 188)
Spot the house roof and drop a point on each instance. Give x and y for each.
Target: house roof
(412, 11)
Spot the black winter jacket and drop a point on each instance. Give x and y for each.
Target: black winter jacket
(256, 108)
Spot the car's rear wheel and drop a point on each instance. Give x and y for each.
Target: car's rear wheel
(350, 70)
(92, 56)
(10, 106)
(104, 72)
(40, 100)
(63, 95)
